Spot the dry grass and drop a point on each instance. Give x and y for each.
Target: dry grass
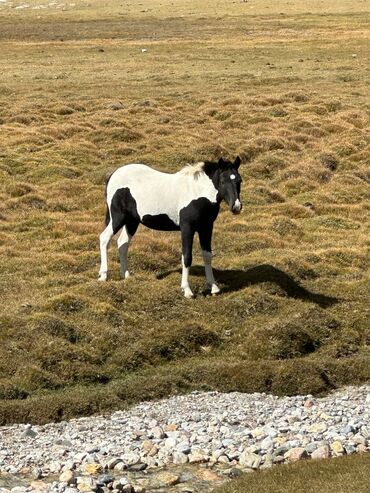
(276, 84)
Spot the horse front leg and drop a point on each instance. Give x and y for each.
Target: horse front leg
(205, 240)
(187, 236)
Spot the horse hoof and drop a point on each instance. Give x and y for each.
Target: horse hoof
(215, 290)
(188, 293)
(102, 278)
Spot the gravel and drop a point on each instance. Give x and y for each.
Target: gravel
(222, 431)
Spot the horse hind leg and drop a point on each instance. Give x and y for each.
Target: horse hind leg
(105, 239)
(123, 243)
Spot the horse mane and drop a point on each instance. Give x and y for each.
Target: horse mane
(194, 170)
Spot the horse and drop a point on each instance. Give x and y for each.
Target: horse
(187, 201)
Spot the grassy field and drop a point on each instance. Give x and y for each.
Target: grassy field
(343, 475)
(285, 86)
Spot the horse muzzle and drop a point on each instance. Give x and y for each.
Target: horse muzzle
(236, 208)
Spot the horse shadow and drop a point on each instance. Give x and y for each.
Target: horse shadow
(236, 279)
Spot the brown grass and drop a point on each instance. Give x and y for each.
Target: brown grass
(277, 85)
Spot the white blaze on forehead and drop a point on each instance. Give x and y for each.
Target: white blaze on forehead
(232, 177)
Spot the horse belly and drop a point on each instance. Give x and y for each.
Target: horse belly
(160, 222)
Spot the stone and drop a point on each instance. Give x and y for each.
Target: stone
(249, 459)
(337, 448)
(158, 432)
(361, 448)
(208, 475)
(165, 479)
(86, 484)
(295, 454)
(39, 485)
(153, 451)
(349, 449)
(68, 477)
(267, 443)
(120, 466)
(171, 427)
(36, 473)
(223, 459)
(198, 457)
(105, 479)
(147, 445)
(131, 458)
(120, 484)
(359, 439)
(140, 466)
(322, 452)
(128, 488)
(111, 463)
(317, 428)
(29, 432)
(179, 458)
(93, 468)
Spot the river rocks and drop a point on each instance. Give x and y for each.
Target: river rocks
(200, 431)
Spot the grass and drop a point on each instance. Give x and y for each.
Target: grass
(345, 475)
(283, 87)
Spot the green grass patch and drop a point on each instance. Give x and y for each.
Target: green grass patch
(347, 474)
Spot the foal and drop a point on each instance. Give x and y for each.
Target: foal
(186, 201)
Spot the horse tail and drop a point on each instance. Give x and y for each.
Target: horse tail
(106, 181)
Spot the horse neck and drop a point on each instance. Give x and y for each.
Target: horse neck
(201, 185)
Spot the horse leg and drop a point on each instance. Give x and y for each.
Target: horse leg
(105, 238)
(123, 243)
(187, 236)
(205, 239)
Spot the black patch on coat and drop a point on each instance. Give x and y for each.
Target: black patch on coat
(160, 222)
(199, 212)
(199, 215)
(123, 211)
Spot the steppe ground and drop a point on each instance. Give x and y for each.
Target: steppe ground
(282, 84)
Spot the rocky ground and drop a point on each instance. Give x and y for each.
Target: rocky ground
(185, 443)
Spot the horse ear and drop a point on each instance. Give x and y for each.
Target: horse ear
(237, 162)
(222, 164)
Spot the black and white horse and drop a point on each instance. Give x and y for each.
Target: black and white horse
(186, 201)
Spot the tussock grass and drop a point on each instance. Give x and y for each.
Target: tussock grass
(273, 83)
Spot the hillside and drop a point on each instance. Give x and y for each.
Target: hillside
(283, 87)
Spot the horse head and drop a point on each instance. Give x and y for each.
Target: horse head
(227, 180)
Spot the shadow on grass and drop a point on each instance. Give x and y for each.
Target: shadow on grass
(234, 280)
